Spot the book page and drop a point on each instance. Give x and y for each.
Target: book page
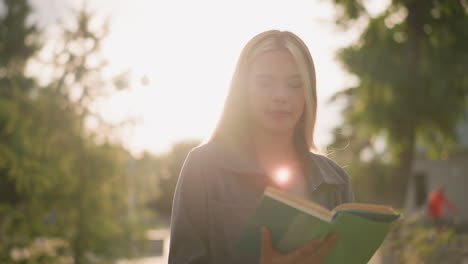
(367, 207)
(306, 206)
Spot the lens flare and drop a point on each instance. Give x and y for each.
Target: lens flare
(282, 176)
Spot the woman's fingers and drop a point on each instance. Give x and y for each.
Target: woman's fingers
(322, 251)
(303, 251)
(313, 251)
(266, 240)
(267, 250)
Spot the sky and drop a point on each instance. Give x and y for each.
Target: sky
(188, 50)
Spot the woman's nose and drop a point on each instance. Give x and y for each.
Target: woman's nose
(280, 93)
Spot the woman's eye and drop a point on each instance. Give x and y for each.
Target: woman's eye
(264, 84)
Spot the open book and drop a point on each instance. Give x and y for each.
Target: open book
(294, 221)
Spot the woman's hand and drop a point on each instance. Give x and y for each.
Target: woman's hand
(313, 252)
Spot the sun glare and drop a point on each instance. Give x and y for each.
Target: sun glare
(181, 63)
(282, 176)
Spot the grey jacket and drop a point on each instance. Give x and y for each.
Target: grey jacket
(217, 191)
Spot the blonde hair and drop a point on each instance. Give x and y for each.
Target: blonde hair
(234, 122)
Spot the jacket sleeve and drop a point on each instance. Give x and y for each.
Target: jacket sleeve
(188, 243)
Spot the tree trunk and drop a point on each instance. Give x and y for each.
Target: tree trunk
(414, 90)
(79, 243)
(402, 172)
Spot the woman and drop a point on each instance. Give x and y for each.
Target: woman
(267, 126)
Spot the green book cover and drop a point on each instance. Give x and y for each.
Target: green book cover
(293, 222)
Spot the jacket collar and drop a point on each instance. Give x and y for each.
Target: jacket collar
(242, 160)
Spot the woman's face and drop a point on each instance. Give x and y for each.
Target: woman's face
(275, 92)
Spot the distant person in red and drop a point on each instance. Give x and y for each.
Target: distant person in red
(437, 202)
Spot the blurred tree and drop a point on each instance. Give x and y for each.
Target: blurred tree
(411, 64)
(18, 39)
(370, 170)
(172, 164)
(97, 183)
(145, 176)
(17, 147)
(57, 177)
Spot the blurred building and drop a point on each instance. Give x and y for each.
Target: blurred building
(451, 172)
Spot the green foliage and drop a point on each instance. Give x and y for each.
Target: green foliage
(349, 11)
(57, 181)
(370, 171)
(411, 65)
(18, 40)
(390, 95)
